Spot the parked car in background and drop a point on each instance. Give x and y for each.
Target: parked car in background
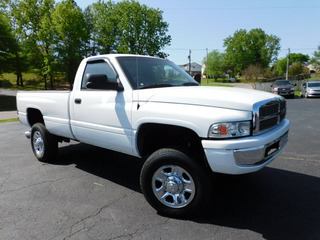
(283, 88)
(310, 89)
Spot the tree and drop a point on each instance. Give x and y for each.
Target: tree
(19, 60)
(8, 45)
(294, 58)
(253, 47)
(253, 73)
(34, 24)
(45, 39)
(71, 36)
(141, 29)
(102, 21)
(315, 61)
(297, 68)
(215, 63)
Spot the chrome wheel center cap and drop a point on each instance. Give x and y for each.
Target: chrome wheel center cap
(174, 185)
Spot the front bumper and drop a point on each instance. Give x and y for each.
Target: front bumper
(284, 93)
(313, 93)
(245, 155)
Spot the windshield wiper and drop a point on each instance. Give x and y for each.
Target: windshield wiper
(157, 86)
(190, 84)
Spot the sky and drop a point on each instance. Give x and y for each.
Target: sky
(201, 24)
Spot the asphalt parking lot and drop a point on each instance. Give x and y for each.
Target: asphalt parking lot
(93, 193)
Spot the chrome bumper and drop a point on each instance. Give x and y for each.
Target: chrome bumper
(246, 155)
(261, 154)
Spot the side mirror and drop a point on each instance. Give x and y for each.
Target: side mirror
(271, 85)
(101, 82)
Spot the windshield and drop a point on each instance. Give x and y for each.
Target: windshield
(283, 83)
(145, 72)
(314, 84)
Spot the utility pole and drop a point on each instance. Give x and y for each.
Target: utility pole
(189, 62)
(207, 77)
(288, 60)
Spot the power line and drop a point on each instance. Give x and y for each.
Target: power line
(238, 8)
(211, 49)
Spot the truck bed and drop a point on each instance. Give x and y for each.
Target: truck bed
(53, 105)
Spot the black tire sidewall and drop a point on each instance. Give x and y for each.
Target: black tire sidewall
(174, 157)
(49, 141)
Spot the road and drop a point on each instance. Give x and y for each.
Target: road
(91, 193)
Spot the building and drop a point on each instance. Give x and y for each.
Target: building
(195, 68)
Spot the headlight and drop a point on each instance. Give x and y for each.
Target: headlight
(230, 129)
(275, 89)
(292, 88)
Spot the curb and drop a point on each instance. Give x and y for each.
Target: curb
(8, 115)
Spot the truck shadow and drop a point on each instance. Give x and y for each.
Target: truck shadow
(276, 203)
(113, 166)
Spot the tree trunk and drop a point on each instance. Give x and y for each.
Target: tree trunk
(21, 80)
(51, 82)
(45, 82)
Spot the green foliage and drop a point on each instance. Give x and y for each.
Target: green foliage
(297, 68)
(126, 27)
(8, 45)
(294, 58)
(46, 37)
(102, 23)
(254, 47)
(5, 84)
(215, 64)
(141, 29)
(71, 34)
(315, 61)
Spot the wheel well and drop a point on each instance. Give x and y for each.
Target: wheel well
(152, 137)
(34, 116)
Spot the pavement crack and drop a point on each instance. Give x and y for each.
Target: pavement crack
(32, 185)
(94, 215)
(140, 230)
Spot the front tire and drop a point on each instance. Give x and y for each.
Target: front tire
(43, 143)
(173, 183)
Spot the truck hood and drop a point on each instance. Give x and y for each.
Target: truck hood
(222, 97)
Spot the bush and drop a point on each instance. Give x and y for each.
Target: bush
(5, 84)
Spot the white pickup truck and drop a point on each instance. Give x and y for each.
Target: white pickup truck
(150, 108)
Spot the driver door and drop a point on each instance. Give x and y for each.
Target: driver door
(102, 117)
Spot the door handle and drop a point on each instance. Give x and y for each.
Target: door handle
(77, 101)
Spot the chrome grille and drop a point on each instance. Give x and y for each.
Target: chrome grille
(268, 114)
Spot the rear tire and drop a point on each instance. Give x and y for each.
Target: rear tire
(174, 184)
(43, 143)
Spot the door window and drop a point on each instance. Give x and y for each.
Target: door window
(100, 67)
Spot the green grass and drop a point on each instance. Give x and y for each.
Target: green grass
(313, 78)
(9, 120)
(212, 82)
(31, 81)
